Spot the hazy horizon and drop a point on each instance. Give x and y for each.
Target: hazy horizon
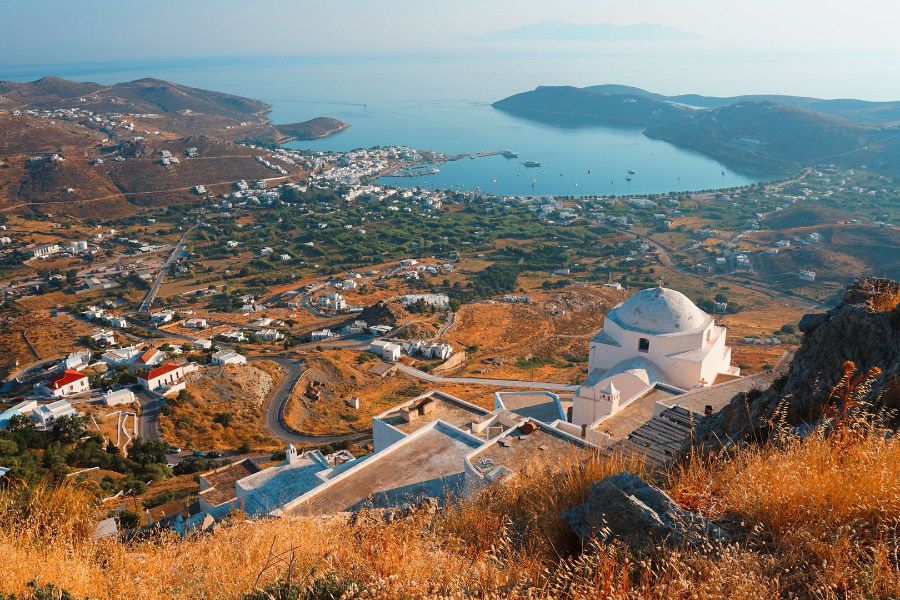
(825, 49)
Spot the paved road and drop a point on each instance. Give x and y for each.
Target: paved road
(154, 289)
(275, 403)
(451, 321)
(509, 383)
(148, 420)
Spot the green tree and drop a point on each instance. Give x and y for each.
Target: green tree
(69, 428)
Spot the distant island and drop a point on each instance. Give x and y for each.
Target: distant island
(314, 129)
(760, 134)
(564, 32)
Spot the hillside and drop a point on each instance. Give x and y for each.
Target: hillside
(864, 329)
(140, 96)
(754, 135)
(862, 111)
(509, 542)
(765, 134)
(583, 107)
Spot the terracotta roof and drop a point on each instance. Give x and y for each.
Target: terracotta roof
(170, 509)
(148, 355)
(65, 378)
(160, 371)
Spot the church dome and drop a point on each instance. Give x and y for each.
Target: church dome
(660, 310)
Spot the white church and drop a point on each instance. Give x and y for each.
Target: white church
(656, 338)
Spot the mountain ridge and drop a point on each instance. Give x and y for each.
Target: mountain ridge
(753, 135)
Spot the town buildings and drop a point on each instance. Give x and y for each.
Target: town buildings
(64, 383)
(228, 357)
(46, 415)
(386, 349)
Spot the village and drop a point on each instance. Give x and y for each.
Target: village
(279, 343)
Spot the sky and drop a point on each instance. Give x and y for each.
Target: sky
(825, 48)
(66, 31)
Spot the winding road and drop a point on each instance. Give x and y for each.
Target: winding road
(277, 400)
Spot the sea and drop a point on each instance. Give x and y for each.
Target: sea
(443, 104)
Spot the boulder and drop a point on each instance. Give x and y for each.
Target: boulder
(809, 322)
(863, 328)
(625, 507)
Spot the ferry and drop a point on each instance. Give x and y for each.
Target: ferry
(531, 164)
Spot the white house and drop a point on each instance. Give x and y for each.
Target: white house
(116, 321)
(386, 349)
(121, 356)
(322, 334)
(45, 416)
(164, 376)
(64, 383)
(117, 397)
(196, 323)
(103, 337)
(269, 335)
(233, 336)
(227, 357)
(333, 301)
(202, 344)
(163, 316)
(656, 337)
(76, 361)
(45, 250)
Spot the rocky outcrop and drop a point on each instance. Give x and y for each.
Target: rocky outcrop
(625, 507)
(863, 328)
(379, 313)
(375, 516)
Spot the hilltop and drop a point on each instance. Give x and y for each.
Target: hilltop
(766, 134)
(862, 111)
(87, 149)
(146, 95)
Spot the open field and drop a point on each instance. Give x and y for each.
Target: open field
(222, 408)
(35, 335)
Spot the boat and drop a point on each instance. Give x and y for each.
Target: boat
(531, 164)
(510, 154)
(628, 178)
(589, 171)
(630, 171)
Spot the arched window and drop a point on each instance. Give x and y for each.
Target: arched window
(643, 345)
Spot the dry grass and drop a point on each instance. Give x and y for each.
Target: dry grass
(810, 519)
(238, 391)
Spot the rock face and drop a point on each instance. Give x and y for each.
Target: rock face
(863, 328)
(625, 507)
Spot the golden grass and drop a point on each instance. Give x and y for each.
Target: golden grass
(809, 518)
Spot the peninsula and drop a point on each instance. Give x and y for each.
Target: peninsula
(760, 134)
